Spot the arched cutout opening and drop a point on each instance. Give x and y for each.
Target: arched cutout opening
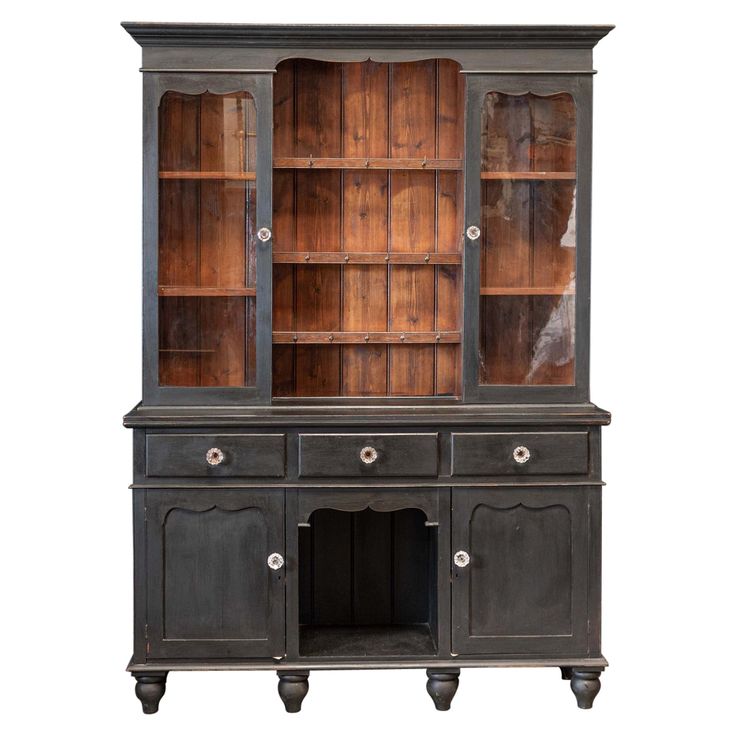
(367, 584)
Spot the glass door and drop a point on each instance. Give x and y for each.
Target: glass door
(212, 230)
(207, 237)
(526, 246)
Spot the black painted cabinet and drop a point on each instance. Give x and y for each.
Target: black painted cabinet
(366, 437)
(209, 592)
(520, 580)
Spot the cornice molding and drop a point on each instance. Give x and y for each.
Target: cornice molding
(366, 36)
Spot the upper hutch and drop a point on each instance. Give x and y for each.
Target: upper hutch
(365, 438)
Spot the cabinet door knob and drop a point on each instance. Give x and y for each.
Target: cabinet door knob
(461, 558)
(369, 455)
(275, 561)
(215, 456)
(473, 232)
(521, 454)
(264, 234)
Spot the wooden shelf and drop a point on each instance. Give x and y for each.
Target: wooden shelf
(205, 291)
(529, 175)
(365, 338)
(366, 641)
(363, 257)
(452, 164)
(209, 175)
(525, 290)
(186, 350)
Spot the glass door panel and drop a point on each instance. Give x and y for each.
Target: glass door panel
(528, 248)
(207, 240)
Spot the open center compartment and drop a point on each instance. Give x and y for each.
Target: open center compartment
(368, 205)
(367, 584)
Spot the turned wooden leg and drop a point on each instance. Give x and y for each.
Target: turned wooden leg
(442, 686)
(150, 688)
(293, 688)
(566, 673)
(586, 685)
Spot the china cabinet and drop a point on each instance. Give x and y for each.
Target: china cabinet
(365, 439)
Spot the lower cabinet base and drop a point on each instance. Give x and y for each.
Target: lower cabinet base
(293, 685)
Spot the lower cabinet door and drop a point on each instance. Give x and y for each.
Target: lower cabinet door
(520, 571)
(213, 588)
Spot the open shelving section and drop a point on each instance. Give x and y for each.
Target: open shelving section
(367, 223)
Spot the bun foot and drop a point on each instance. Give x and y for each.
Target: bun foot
(149, 689)
(442, 686)
(586, 685)
(293, 688)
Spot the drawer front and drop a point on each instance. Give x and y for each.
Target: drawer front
(519, 453)
(366, 455)
(215, 455)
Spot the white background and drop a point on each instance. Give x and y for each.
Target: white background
(662, 362)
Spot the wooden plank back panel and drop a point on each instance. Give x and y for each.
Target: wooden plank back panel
(364, 309)
(223, 328)
(365, 224)
(222, 211)
(554, 234)
(318, 90)
(284, 226)
(318, 98)
(450, 108)
(317, 371)
(506, 233)
(447, 361)
(178, 150)
(413, 217)
(178, 257)
(413, 109)
(554, 133)
(365, 567)
(178, 334)
(222, 247)
(367, 110)
(517, 345)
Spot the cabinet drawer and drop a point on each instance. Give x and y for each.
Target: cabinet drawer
(512, 453)
(223, 455)
(325, 455)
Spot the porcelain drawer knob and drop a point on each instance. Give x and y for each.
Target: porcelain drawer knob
(215, 456)
(521, 454)
(275, 561)
(369, 455)
(461, 558)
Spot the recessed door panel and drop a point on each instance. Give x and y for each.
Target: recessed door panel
(211, 589)
(519, 571)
